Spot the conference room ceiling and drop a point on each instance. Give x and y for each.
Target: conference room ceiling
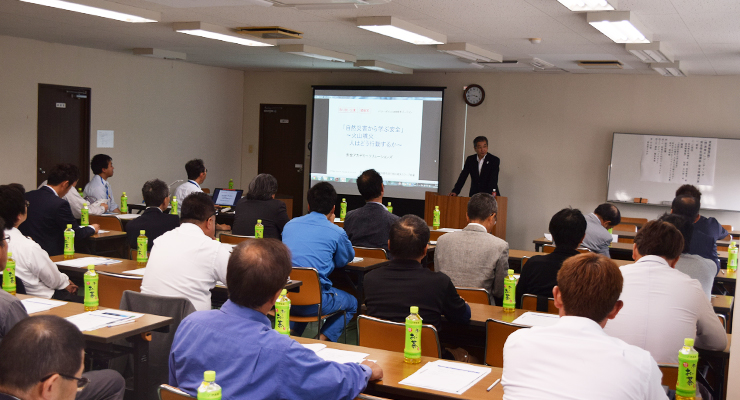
(704, 35)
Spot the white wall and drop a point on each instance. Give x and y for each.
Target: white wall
(164, 113)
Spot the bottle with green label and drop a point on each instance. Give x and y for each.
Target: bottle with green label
(732, 251)
(209, 390)
(231, 183)
(282, 313)
(173, 205)
(142, 245)
(90, 281)
(124, 203)
(9, 275)
(85, 215)
(69, 242)
(343, 209)
(687, 360)
(437, 217)
(390, 208)
(509, 292)
(412, 350)
(259, 230)
(79, 190)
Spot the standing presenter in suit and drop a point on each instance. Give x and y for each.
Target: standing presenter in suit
(482, 168)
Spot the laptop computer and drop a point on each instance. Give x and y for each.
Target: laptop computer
(227, 197)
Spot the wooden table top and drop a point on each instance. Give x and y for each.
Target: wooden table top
(726, 275)
(395, 370)
(722, 303)
(146, 323)
(367, 264)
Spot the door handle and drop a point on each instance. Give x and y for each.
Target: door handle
(299, 167)
(41, 171)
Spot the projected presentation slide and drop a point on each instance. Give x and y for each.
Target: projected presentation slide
(394, 131)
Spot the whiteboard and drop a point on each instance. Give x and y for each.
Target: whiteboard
(624, 182)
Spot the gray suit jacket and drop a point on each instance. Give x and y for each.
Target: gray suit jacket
(473, 258)
(597, 237)
(369, 225)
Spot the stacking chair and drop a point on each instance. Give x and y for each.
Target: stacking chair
(370, 252)
(496, 334)
(728, 228)
(524, 261)
(530, 302)
(723, 321)
(167, 392)
(638, 222)
(112, 286)
(386, 335)
(434, 235)
(233, 239)
(206, 190)
(625, 227)
(107, 222)
(474, 295)
(670, 375)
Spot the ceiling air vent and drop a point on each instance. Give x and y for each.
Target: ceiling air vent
(600, 64)
(271, 32)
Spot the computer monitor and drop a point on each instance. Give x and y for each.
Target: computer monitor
(227, 197)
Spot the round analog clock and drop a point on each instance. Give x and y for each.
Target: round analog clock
(474, 95)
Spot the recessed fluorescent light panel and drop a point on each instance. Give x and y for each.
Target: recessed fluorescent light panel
(589, 5)
(315, 52)
(158, 53)
(102, 8)
(650, 52)
(216, 32)
(668, 69)
(619, 26)
(401, 30)
(381, 66)
(469, 52)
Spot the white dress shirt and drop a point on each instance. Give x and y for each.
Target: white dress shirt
(100, 189)
(184, 262)
(34, 267)
(76, 202)
(185, 189)
(480, 163)
(662, 307)
(575, 359)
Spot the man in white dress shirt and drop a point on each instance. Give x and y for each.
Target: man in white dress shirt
(98, 187)
(39, 274)
(663, 306)
(188, 261)
(574, 358)
(196, 176)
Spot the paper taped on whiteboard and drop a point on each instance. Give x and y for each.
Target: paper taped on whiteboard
(682, 160)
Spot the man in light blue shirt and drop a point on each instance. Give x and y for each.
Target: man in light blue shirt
(252, 360)
(315, 242)
(98, 187)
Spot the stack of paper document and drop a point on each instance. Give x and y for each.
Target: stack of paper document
(340, 356)
(102, 231)
(548, 237)
(447, 376)
(85, 261)
(139, 271)
(537, 319)
(36, 304)
(448, 230)
(93, 320)
(357, 259)
(128, 216)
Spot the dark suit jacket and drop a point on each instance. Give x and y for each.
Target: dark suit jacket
(393, 288)
(540, 274)
(154, 222)
(484, 182)
(48, 216)
(369, 225)
(272, 213)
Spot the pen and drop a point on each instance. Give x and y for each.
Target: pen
(494, 384)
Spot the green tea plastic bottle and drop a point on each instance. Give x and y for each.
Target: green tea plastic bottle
(282, 313)
(69, 242)
(231, 183)
(437, 217)
(412, 350)
(509, 292)
(124, 203)
(79, 190)
(390, 208)
(209, 390)
(9, 275)
(85, 215)
(259, 230)
(173, 205)
(142, 245)
(343, 209)
(90, 281)
(732, 256)
(687, 360)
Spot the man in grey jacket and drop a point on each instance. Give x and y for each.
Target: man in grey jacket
(368, 226)
(598, 239)
(473, 257)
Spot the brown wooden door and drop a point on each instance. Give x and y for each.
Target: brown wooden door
(282, 149)
(63, 130)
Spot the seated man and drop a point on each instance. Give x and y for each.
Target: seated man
(49, 214)
(697, 267)
(678, 307)
(473, 257)
(315, 242)
(540, 273)
(574, 358)
(706, 232)
(154, 221)
(368, 225)
(98, 187)
(197, 172)
(252, 360)
(76, 202)
(605, 216)
(403, 282)
(187, 261)
(40, 275)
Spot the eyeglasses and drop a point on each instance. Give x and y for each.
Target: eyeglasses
(81, 382)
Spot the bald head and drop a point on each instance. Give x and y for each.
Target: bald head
(257, 270)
